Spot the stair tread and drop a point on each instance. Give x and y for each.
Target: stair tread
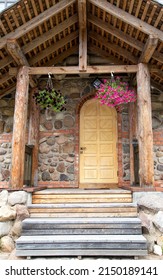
(82, 205)
(81, 238)
(81, 191)
(81, 220)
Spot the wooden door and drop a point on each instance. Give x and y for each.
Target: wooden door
(98, 139)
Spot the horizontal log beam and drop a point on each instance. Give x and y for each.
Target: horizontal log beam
(90, 69)
(128, 18)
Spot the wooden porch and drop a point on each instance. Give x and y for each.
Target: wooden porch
(82, 223)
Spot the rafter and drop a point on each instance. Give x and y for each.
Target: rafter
(36, 21)
(7, 91)
(126, 54)
(122, 36)
(61, 43)
(19, 57)
(110, 59)
(82, 13)
(128, 18)
(149, 49)
(41, 39)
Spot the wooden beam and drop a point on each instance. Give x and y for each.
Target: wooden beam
(110, 59)
(50, 34)
(128, 18)
(59, 58)
(82, 13)
(145, 135)
(54, 47)
(36, 21)
(131, 137)
(6, 61)
(33, 136)
(19, 57)
(122, 36)
(90, 69)
(148, 49)
(41, 39)
(123, 52)
(19, 129)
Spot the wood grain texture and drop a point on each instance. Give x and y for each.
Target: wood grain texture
(19, 129)
(145, 134)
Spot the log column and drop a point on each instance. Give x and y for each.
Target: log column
(19, 129)
(33, 137)
(145, 135)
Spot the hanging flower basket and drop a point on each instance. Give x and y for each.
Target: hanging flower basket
(115, 93)
(50, 98)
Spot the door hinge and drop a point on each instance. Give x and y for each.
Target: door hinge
(117, 173)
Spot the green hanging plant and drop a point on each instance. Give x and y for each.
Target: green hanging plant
(50, 98)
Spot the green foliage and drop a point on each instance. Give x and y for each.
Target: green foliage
(50, 98)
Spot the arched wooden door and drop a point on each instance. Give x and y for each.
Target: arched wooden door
(98, 139)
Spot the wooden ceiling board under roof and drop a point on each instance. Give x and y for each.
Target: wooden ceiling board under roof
(45, 32)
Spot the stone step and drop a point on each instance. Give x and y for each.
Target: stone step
(76, 226)
(78, 244)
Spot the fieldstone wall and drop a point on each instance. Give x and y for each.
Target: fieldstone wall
(13, 210)
(150, 208)
(158, 162)
(5, 161)
(56, 152)
(6, 115)
(157, 125)
(56, 158)
(57, 146)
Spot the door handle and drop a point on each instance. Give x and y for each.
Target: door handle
(82, 148)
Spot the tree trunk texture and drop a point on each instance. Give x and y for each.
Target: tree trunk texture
(145, 135)
(19, 129)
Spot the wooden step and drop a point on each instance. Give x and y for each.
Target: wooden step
(81, 196)
(77, 244)
(80, 226)
(83, 209)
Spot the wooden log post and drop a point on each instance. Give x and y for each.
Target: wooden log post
(131, 136)
(19, 129)
(33, 137)
(145, 135)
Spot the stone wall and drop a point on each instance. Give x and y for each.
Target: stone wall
(157, 125)
(58, 145)
(158, 162)
(13, 210)
(58, 134)
(56, 158)
(150, 209)
(5, 161)
(6, 114)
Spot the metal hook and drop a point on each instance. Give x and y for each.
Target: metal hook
(112, 75)
(49, 74)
